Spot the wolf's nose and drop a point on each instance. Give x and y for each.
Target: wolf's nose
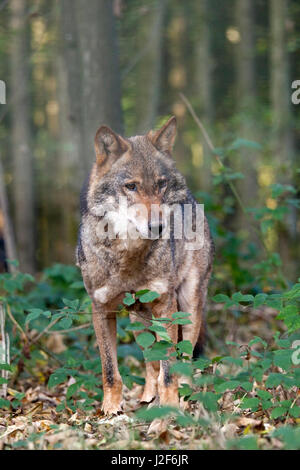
(155, 229)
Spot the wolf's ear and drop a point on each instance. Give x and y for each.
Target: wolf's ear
(164, 138)
(109, 144)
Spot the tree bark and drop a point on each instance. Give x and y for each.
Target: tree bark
(246, 98)
(8, 234)
(99, 65)
(149, 36)
(282, 145)
(203, 83)
(282, 138)
(71, 163)
(23, 186)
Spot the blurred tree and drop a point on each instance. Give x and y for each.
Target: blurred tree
(246, 99)
(280, 87)
(23, 183)
(204, 82)
(100, 93)
(149, 37)
(71, 163)
(282, 139)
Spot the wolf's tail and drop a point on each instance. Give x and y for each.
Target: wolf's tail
(200, 344)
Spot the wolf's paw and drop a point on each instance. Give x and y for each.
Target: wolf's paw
(148, 396)
(102, 295)
(112, 409)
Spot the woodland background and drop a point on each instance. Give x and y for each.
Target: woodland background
(69, 68)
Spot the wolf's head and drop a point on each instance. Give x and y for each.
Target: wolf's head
(139, 172)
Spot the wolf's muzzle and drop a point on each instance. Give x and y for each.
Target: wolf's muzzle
(155, 230)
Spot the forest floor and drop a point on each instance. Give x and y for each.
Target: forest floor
(38, 425)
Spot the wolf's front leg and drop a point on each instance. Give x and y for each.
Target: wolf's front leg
(105, 328)
(167, 382)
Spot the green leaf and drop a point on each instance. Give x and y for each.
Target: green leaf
(73, 304)
(65, 323)
(182, 368)
(209, 400)
(247, 386)
(264, 395)
(4, 403)
(128, 299)
(185, 390)
(145, 339)
(155, 412)
(220, 298)
(256, 340)
(181, 321)
(156, 354)
(72, 389)
(282, 358)
(201, 363)
(293, 293)
(229, 385)
(278, 189)
(252, 403)
(33, 315)
(135, 326)
(274, 380)
(177, 315)
(149, 297)
(6, 367)
(243, 443)
(238, 143)
(57, 378)
(295, 411)
(278, 412)
(233, 360)
(185, 347)
(259, 300)
(77, 285)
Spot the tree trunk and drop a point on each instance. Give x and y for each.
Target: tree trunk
(203, 86)
(72, 166)
(100, 77)
(149, 36)
(282, 139)
(21, 137)
(246, 98)
(8, 234)
(282, 146)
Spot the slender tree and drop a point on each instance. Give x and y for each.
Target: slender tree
(148, 71)
(280, 86)
(99, 66)
(23, 185)
(246, 100)
(203, 80)
(71, 162)
(282, 139)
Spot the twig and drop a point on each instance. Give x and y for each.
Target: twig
(75, 328)
(34, 340)
(18, 326)
(4, 343)
(38, 337)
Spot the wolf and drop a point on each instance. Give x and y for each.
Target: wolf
(141, 171)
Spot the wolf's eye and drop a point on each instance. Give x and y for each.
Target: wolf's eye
(162, 184)
(131, 186)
